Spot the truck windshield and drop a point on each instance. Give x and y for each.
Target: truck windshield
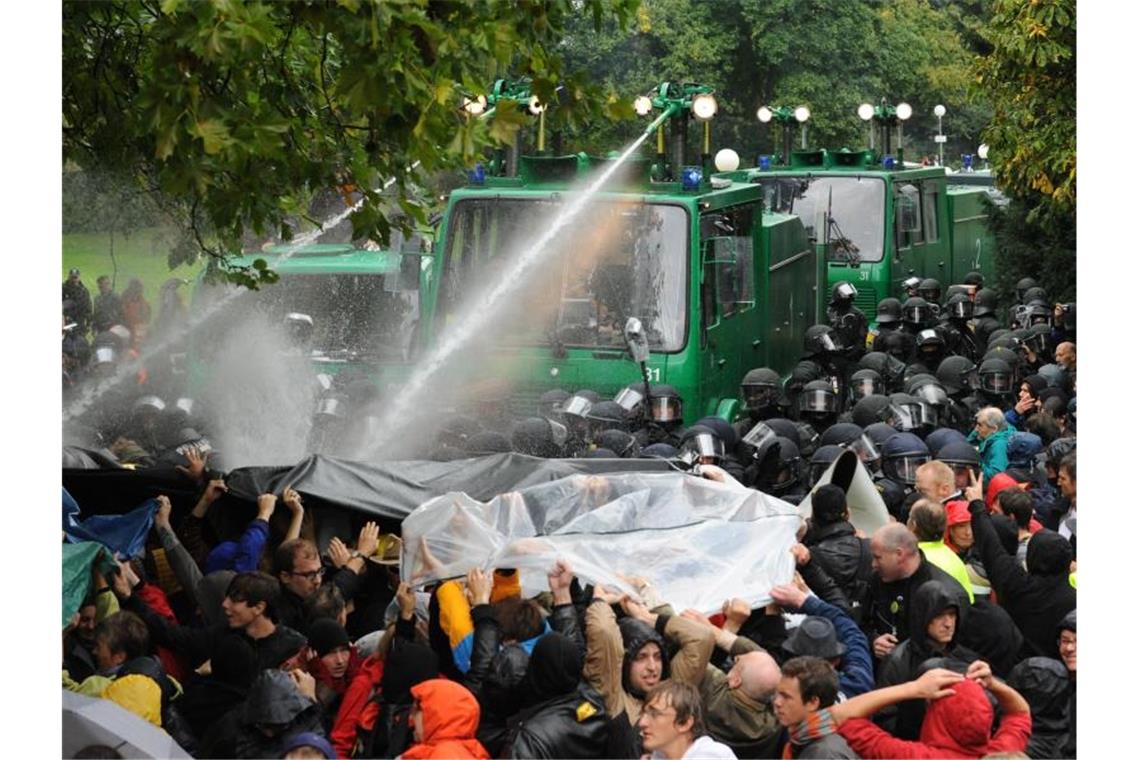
(355, 317)
(624, 260)
(857, 209)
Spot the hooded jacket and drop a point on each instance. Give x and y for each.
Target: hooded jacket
(889, 601)
(568, 718)
(450, 717)
(1037, 596)
(273, 700)
(610, 651)
(954, 727)
(1044, 682)
(903, 664)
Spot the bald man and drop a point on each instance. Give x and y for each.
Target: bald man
(935, 481)
(1066, 356)
(738, 709)
(900, 568)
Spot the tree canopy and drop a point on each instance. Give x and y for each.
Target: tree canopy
(237, 114)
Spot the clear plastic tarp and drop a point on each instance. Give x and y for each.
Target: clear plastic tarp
(699, 542)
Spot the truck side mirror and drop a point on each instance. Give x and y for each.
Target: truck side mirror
(637, 340)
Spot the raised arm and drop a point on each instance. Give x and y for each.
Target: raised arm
(604, 650)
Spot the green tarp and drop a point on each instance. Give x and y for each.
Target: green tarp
(77, 561)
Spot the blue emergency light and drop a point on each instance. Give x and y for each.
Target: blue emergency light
(691, 178)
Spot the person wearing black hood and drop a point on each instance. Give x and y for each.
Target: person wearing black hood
(937, 618)
(1036, 596)
(842, 555)
(567, 717)
(209, 698)
(624, 660)
(408, 663)
(279, 706)
(1044, 683)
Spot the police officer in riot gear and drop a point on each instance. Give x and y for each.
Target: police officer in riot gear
(847, 319)
(995, 382)
(863, 383)
(760, 390)
(818, 405)
(931, 349)
(574, 411)
(903, 454)
(930, 290)
(664, 421)
(888, 368)
(1024, 284)
(956, 315)
(823, 360)
(975, 279)
(888, 318)
(916, 315)
(910, 286)
(985, 315)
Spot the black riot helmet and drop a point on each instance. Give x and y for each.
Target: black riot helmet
(936, 439)
(822, 339)
(985, 302)
(957, 374)
(818, 396)
(879, 432)
(534, 436)
(578, 404)
(905, 413)
(995, 376)
(1024, 284)
(550, 403)
(869, 409)
(916, 311)
(963, 458)
(927, 389)
(910, 286)
(782, 426)
(903, 454)
(1010, 341)
(850, 436)
(998, 334)
(605, 415)
(843, 293)
(974, 278)
(959, 306)
(1039, 314)
(665, 404)
(889, 311)
(703, 445)
(930, 289)
(1011, 357)
(789, 468)
(760, 439)
(618, 441)
(888, 367)
(930, 341)
(760, 388)
(864, 382)
(1040, 339)
(1035, 295)
(821, 460)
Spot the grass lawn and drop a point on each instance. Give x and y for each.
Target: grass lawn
(142, 255)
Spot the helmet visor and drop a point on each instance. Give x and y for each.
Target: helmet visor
(996, 382)
(760, 437)
(705, 445)
(865, 386)
(827, 343)
(105, 355)
(818, 401)
(961, 309)
(914, 314)
(845, 290)
(928, 415)
(665, 409)
(903, 417)
(905, 468)
(931, 394)
(558, 432)
(576, 406)
(760, 396)
(865, 449)
(628, 398)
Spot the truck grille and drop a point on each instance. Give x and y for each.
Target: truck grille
(867, 301)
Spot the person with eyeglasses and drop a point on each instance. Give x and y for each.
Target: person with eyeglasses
(297, 565)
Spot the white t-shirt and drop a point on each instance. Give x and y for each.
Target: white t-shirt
(704, 748)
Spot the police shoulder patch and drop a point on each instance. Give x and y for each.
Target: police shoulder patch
(586, 711)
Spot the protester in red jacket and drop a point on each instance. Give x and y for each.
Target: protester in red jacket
(445, 717)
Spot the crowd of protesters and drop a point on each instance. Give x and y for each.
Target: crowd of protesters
(948, 632)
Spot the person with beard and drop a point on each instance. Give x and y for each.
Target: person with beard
(937, 618)
(566, 717)
(1037, 596)
(624, 661)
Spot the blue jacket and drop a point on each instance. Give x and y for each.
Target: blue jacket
(243, 555)
(856, 671)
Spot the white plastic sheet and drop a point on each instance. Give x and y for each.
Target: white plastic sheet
(868, 512)
(698, 541)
